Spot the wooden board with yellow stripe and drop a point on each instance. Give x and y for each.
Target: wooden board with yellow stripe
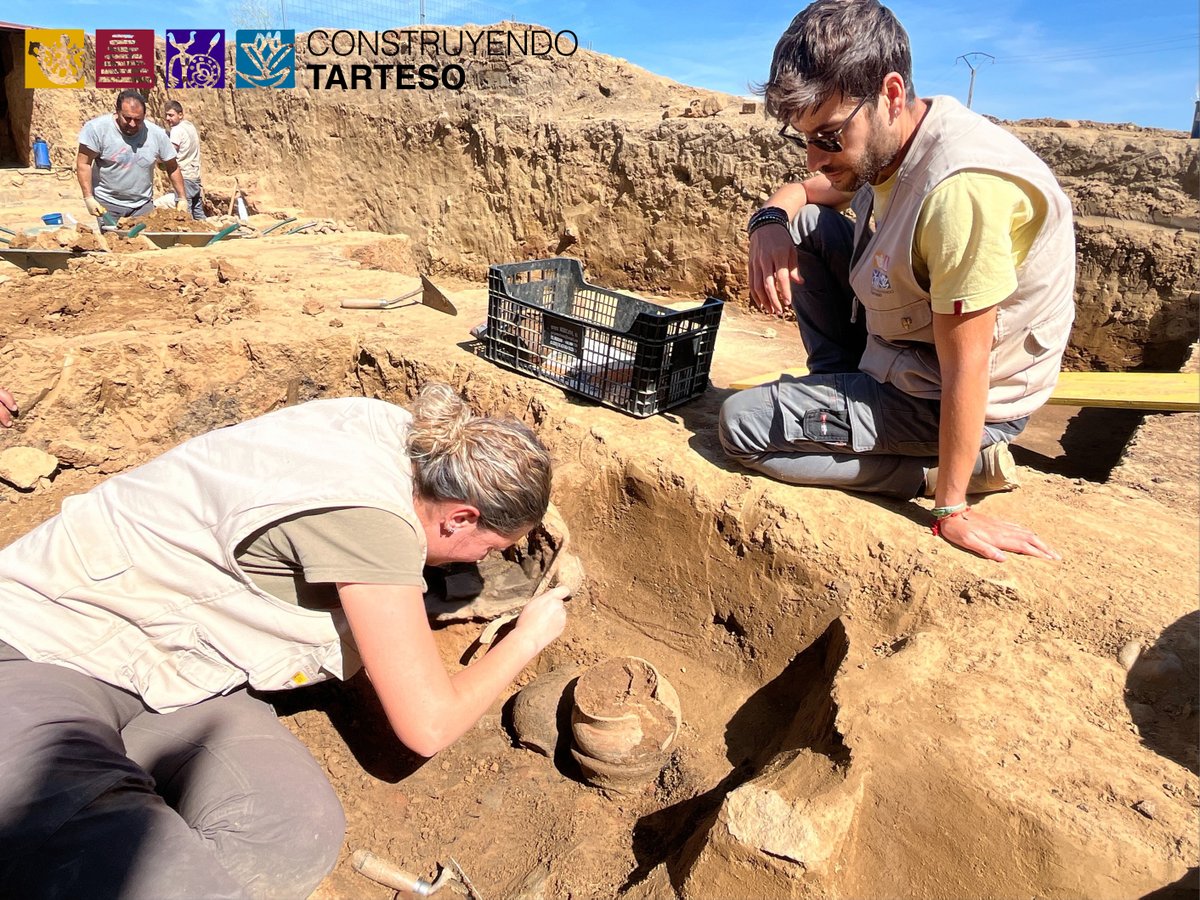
(1161, 391)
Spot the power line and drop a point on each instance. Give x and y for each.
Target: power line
(1085, 53)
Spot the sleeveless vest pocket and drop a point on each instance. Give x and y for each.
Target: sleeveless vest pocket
(94, 537)
(180, 669)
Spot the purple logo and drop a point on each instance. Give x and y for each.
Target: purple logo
(195, 58)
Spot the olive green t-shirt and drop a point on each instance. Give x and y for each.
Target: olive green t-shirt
(300, 559)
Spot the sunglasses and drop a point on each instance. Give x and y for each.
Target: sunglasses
(829, 141)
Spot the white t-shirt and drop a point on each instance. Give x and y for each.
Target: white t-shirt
(187, 146)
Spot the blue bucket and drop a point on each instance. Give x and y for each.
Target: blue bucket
(53, 218)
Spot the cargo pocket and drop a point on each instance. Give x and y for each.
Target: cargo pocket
(94, 537)
(814, 411)
(910, 322)
(181, 669)
(1040, 339)
(827, 426)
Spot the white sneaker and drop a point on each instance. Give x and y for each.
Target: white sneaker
(999, 473)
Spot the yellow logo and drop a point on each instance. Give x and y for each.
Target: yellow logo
(54, 58)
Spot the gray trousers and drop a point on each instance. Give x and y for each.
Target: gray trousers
(836, 427)
(195, 197)
(101, 797)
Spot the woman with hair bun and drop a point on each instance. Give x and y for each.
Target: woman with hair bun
(271, 554)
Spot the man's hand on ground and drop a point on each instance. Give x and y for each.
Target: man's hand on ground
(8, 406)
(94, 206)
(773, 269)
(990, 537)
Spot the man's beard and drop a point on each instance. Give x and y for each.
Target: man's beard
(879, 153)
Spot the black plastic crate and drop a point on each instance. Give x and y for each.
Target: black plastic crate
(545, 320)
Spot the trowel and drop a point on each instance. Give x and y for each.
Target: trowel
(428, 294)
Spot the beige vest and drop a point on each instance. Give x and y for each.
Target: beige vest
(1032, 326)
(136, 582)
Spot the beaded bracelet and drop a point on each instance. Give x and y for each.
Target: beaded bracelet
(768, 215)
(940, 512)
(961, 510)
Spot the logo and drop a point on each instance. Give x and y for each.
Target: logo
(879, 278)
(54, 58)
(265, 59)
(124, 59)
(195, 58)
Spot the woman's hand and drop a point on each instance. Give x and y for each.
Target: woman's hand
(543, 618)
(8, 406)
(773, 269)
(990, 537)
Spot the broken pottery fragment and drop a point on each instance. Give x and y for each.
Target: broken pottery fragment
(538, 717)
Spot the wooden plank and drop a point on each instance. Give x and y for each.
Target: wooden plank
(1165, 391)
(1162, 391)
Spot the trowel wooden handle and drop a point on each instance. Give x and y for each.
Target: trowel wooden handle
(383, 872)
(360, 303)
(390, 875)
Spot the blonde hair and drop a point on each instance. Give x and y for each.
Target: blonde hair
(496, 465)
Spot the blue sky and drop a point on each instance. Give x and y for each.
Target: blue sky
(1103, 60)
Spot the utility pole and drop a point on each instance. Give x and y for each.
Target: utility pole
(972, 64)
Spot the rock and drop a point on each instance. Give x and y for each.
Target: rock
(1157, 668)
(1128, 654)
(207, 314)
(227, 271)
(1145, 808)
(78, 455)
(312, 307)
(23, 466)
(749, 109)
(335, 323)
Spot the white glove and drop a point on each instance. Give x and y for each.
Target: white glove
(94, 207)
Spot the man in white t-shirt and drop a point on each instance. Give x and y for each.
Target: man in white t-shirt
(187, 147)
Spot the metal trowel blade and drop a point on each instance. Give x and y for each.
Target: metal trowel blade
(432, 296)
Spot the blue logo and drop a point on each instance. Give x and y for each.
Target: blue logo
(195, 58)
(265, 59)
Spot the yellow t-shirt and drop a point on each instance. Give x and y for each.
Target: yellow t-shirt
(973, 233)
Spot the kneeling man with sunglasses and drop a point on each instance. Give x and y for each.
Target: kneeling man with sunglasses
(935, 320)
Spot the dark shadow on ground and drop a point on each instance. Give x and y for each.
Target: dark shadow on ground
(355, 712)
(1186, 888)
(1092, 444)
(794, 711)
(1162, 692)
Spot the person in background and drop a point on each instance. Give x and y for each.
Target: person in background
(272, 554)
(187, 148)
(116, 159)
